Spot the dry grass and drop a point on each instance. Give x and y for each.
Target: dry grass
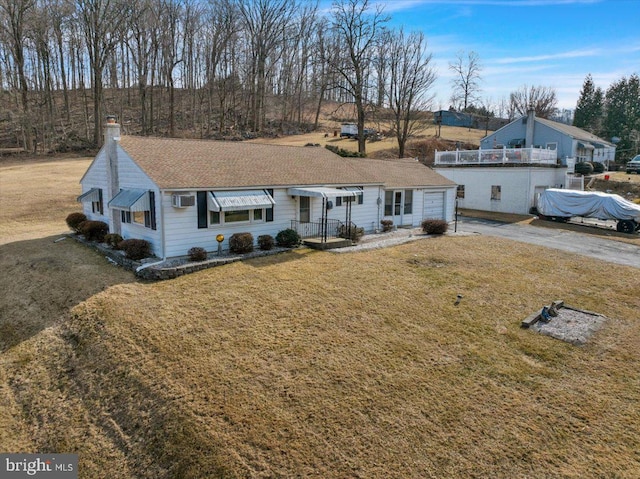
(451, 133)
(311, 364)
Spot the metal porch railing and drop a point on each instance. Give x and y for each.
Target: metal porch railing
(318, 229)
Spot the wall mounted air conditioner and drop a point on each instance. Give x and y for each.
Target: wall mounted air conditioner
(182, 201)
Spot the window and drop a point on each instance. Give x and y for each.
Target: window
(408, 202)
(138, 217)
(460, 192)
(214, 217)
(125, 216)
(257, 215)
(388, 203)
(96, 205)
(339, 201)
(236, 216)
(496, 192)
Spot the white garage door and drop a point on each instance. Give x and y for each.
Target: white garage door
(434, 205)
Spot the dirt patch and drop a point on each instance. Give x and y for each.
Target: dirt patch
(565, 323)
(572, 325)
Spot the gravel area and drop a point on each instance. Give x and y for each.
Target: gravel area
(571, 325)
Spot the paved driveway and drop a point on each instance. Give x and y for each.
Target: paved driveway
(584, 244)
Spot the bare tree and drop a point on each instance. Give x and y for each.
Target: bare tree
(357, 26)
(466, 79)
(541, 99)
(265, 23)
(411, 77)
(101, 22)
(171, 32)
(12, 22)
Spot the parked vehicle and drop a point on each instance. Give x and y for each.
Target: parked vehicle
(560, 205)
(633, 166)
(348, 130)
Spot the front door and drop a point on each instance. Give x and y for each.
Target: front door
(393, 202)
(305, 209)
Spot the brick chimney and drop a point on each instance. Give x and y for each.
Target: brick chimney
(531, 122)
(111, 139)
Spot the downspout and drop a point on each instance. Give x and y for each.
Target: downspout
(162, 232)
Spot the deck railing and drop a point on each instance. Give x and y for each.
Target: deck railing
(497, 156)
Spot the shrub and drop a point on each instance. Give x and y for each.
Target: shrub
(387, 225)
(113, 239)
(598, 167)
(584, 168)
(94, 230)
(435, 227)
(197, 254)
(345, 153)
(354, 235)
(265, 242)
(288, 238)
(74, 220)
(135, 249)
(241, 243)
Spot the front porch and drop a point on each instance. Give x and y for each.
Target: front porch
(323, 234)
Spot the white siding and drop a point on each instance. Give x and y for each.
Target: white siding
(129, 176)
(182, 232)
(517, 186)
(96, 177)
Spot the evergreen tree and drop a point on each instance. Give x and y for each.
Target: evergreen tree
(622, 120)
(590, 107)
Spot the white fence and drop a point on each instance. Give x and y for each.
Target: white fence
(573, 182)
(497, 156)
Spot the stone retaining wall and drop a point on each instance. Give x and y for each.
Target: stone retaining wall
(162, 271)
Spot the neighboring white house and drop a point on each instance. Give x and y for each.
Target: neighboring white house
(178, 194)
(519, 161)
(570, 142)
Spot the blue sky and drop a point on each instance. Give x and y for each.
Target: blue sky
(553, 43)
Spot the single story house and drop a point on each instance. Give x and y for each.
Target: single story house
(570, 142)
(178, 193)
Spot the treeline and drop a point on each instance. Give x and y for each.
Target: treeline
(613, 115)
(206, 67)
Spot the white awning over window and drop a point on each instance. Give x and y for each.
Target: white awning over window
(131, 200)
(357, 190)
(321, 192)
(585, 145)
(90, 196)
(239, 200)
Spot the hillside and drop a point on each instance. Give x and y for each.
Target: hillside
(72, 133)
(309, 364)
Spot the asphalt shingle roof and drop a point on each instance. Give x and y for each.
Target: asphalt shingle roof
(573, 131)
(181, 164)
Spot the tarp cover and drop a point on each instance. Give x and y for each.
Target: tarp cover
(590, 204)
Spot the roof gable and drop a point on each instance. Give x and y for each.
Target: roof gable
(569, 130)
